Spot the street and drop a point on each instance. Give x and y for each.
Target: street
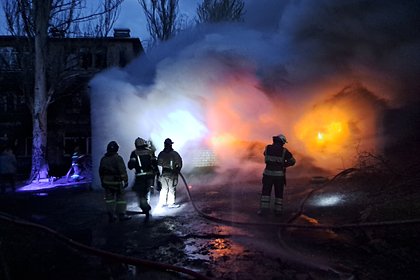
(216, 233)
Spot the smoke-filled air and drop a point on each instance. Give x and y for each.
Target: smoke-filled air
(323, 73)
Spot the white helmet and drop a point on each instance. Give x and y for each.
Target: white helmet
(281, 137)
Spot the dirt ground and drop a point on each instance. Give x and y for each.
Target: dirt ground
(224, 239)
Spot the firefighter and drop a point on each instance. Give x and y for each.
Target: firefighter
(76, 163)
(144, 163)
(8, 167)
(171, 163)
(114, 180)
(277, 159)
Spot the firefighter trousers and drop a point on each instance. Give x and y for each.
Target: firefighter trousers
(141, 187)
(267, 185)
(168, 193)
(115, 201)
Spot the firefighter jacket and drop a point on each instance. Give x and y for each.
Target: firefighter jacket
(144, 161)
(112, 171)
(170, 161)
(277, 158)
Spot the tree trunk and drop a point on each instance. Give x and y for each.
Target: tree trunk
(39, 114)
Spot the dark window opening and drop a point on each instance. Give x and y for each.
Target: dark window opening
(123, 59)
(85, 58)
(100, 60)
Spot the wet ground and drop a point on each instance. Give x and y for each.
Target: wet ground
(214, 235)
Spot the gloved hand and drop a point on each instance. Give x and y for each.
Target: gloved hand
(132, 163)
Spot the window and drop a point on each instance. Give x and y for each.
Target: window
(11, 102)
(8, 58)
(72, 61)
(100, 59)
(123, 59)
(85, 58)
(70, 142)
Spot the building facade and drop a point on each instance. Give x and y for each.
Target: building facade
(72, 62)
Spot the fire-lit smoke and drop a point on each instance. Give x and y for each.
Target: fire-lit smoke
(216, 108)
(336, 130)
(221, 92)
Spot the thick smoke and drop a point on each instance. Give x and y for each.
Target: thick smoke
(321, 72)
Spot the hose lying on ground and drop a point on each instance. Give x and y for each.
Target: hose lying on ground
(166, 267)
(289, 225)
(102, 253)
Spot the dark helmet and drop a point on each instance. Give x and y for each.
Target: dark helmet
(140, 142)
(280, 138)
(112, 147)
(168, 141)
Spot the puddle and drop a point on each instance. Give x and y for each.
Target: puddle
(212, 249)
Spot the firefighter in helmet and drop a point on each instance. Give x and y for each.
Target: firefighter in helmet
(277, 159)
(144, 163)
(76, 163)
(171, 163)
(114, 180)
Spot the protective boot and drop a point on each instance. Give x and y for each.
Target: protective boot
(174, 205)
(147, 218)
(278, 206)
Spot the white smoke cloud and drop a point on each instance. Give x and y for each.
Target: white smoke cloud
(233, 86)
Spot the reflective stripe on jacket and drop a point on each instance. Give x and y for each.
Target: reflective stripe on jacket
(112, 171)
(274, 156)
(170, 161)
(144, 161)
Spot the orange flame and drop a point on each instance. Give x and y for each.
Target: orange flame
(333, 132)
(241, 120)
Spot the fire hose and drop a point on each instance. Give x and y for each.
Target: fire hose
(166, 267)
(306, 227)
(102, 253)
(289, 225)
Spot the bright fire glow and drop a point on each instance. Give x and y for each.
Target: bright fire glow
(238, 114)
(325, 130)
(332, 132)
(223, 140)
(225, 119)
(320, 136)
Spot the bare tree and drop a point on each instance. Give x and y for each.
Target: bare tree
(220, 10)
(161, 18)
(36, 20)
(106, 20)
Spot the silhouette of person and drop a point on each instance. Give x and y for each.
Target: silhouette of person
(8, 168)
